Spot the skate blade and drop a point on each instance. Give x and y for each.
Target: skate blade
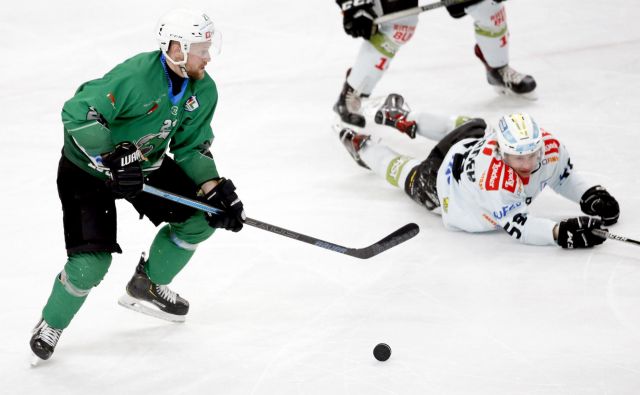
(35, 360)
(532, 96)
(148, 309)
(338, 124)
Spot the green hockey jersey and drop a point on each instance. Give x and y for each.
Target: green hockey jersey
(134, 102)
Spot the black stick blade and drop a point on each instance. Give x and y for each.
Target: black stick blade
(399, 236)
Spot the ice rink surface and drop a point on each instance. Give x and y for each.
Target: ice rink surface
(463, 313)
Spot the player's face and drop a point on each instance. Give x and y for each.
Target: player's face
(524, 165)
(197, 60)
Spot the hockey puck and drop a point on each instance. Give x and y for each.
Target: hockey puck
(382, 352)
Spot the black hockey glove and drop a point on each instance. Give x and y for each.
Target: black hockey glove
(358, 16)
(457, 10)
(576, 232)
(224, 197)
(597, 201)
(126, 172)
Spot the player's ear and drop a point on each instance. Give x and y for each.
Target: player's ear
(174, 51)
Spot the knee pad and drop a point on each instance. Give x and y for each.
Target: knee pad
(84, 271)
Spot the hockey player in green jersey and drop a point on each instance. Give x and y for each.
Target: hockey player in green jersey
(117, 131)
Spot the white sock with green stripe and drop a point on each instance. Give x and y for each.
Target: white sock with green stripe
(387, 163)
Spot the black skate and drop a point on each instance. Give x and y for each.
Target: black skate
(152, 299)
(507, 80)
(348, 105)
(354, 142)
(394, 113)
(43, 341)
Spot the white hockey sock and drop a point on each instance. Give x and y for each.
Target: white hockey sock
(492, 34)
(364, 73)
(387, 163)
(376, 54)
(435, 126)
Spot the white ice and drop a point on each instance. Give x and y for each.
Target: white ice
(463, 313)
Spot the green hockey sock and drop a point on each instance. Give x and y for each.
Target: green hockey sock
(166, 259)
(61, 306)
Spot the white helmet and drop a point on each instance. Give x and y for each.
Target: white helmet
(518, 134)
(186, 27)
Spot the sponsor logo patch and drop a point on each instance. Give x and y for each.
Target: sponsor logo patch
(112, 99)
(191, 104)
(492, 182)
(505, 210)
(153, 108)
(395, 168)
(509, 181)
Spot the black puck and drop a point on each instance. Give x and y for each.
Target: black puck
(382, 352)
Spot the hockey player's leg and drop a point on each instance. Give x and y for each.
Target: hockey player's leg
(492, 48)
(172, 248)
(70, 289)
(373, 60)
(382, 160)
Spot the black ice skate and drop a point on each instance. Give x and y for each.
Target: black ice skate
(354, 142)
(394, 113)
(152, 299)
(506, 80)
(43, 341)
(348, 106)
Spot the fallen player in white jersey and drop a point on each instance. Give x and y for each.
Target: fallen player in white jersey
(481, 180)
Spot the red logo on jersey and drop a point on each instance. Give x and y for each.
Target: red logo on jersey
(112, 99)
(499, 17)
(551, 146)
(155, 107)
(493, 177)
(488, 149)
(403, 33)
(509, 182)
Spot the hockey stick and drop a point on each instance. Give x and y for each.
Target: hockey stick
(399, 236)
(415, 11)
(605, 234)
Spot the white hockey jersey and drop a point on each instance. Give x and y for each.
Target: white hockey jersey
(478, 192)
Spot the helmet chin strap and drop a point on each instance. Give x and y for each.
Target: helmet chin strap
(182, 64)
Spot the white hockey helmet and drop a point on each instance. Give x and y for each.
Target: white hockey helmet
(186, 27)
(518, 134)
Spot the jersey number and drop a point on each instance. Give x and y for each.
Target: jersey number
(383, 62)
(518, 219)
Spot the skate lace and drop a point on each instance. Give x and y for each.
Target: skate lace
(166, 293)
(49, 335)
(353, 101)
(510, 76)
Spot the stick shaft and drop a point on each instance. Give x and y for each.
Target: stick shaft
(608, 235)
(399, 236)
(415, 11)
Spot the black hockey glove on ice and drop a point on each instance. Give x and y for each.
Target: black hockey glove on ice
(224, 197)
(576, 232)
(358, 16)
(126, 172)
(597, 201)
